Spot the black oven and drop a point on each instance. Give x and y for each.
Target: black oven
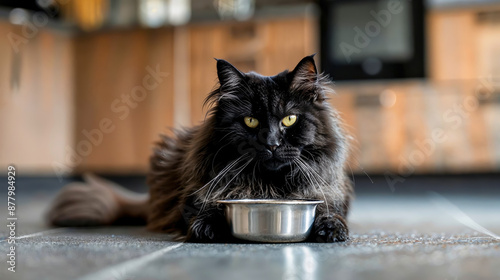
(373, 39)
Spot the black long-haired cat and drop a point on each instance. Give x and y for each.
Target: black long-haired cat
(265, 137)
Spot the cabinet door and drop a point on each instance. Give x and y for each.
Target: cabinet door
(266, 46)
(422, 127)
(114, 82)
(36, 98)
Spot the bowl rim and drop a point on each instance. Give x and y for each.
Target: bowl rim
(271, 201)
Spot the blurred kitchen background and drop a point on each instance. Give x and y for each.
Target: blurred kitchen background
(87, 85)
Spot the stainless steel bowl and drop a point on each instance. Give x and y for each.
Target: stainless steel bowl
(270, 220)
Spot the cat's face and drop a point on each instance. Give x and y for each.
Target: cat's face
(272, 119)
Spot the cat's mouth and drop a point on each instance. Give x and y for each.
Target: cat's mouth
(275, 164)
(282, 157)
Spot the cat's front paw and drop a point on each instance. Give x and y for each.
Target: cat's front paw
(208, 231)
(331, 228)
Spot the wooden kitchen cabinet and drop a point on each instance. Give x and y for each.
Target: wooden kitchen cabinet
(399, 137)
(111, 64)
(265, 46)
(109, 67)
(62, 87)
(36, 98)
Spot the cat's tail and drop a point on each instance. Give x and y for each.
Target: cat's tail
(97, 202)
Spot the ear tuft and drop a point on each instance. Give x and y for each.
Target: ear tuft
(228, 74)
(304, 73)
(305, 81)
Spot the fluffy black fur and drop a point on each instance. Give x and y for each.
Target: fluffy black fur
(225, 159)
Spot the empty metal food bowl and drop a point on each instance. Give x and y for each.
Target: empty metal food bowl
(270, 220)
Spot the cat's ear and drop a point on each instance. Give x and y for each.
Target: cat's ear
(228, 74)
(304, 72)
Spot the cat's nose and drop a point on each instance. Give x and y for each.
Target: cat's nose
(273, 140)
(272, 148)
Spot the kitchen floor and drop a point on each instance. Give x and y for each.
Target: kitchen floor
(424, 228)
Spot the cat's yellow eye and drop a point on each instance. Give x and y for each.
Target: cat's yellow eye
(251, 122)
(289, 120)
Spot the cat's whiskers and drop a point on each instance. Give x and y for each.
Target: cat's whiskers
(215, 156)
(290, 174)
(222, 173)
(313, 180)
(317, 177)
(243, 157)
(226, 135)
(337, 192)
(309, 178)
(290, 182)
(219, 192)
(254, 178)
(354, 155)
(362, 169)
(312, 156)
(213, 186)
(352, 173)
